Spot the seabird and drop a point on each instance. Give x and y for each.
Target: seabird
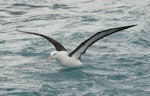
(72, 59)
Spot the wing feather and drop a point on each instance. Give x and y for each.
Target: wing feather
(58, 46)
(81, 49)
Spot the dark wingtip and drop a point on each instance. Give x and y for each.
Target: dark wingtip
(25, 32)
(19, 30)
(134, 25)
(125, 27)
(131, 26)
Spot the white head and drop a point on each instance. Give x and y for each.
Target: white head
(53, 55)
(57, 55)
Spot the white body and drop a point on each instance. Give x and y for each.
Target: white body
(65, 60)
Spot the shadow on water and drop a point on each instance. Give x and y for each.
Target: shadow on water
(50, 73)
(71, 69)
(65, 74)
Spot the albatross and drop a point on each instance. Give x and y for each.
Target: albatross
(72, 59)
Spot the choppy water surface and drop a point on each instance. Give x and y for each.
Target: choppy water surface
(118, 65)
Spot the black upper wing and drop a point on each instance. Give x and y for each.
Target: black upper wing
(58, 46)
(84, 45)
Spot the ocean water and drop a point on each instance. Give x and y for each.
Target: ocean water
(118, 65)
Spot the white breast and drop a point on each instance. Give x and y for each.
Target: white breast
(67, 61)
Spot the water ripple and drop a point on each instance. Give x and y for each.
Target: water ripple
(117, 65)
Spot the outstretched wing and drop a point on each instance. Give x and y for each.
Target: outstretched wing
(84, 45)
(57, 45)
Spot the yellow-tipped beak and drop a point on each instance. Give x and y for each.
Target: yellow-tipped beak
(49, 58)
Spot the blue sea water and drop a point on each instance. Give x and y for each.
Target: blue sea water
(118, 65)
